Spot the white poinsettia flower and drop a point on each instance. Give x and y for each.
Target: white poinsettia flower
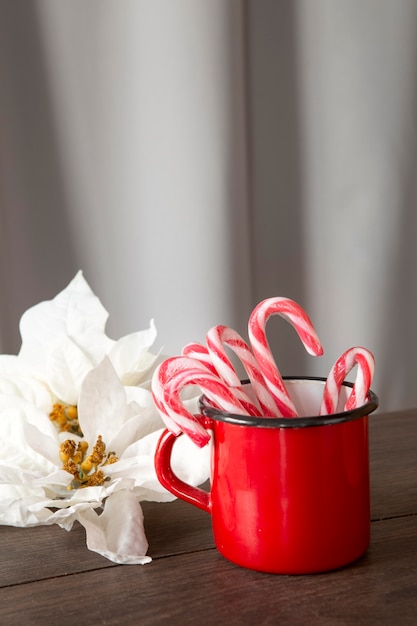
(16, 379)
(73, 393)
(64, 338)
(49, 477)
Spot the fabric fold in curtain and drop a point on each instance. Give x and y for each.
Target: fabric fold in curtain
(195, 157)
(146, 108)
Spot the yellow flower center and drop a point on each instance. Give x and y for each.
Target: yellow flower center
(86, 467)
(65, 417)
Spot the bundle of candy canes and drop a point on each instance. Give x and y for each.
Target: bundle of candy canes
(209, 367)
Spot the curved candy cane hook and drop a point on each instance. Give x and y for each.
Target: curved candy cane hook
(219, 336)
(203, 354)
(200, 353)
(161, 376)
(365, 361)
(216, 391)
(299, 319)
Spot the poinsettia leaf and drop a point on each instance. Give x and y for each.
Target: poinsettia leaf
(189, 462)
(16, 414)
(118, 533)
(131, 357)
(102, 405)
(67, 358)
(66, 367)
(134, 428)
(75, 311)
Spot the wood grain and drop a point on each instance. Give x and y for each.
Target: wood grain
(29, 554)
(381, 588)
(167, 533)
(393, 464)
(48, 576)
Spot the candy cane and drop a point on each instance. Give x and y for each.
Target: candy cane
(162, 374)
(365, 361)
(219, 336)
(294, 314)
(199, 352)
(210, 358)
(215, 390)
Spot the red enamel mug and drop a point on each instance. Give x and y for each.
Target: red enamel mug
(287, 495)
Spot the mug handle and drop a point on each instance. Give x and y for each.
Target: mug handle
(168, 479)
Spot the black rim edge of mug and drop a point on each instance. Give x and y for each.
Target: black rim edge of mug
(292, 422)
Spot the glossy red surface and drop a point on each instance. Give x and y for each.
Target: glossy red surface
(284, 500)
(291, 501)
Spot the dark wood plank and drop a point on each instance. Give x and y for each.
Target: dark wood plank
(176, 527)
(189, 580)
(381, 588)
(393, 460)
(29, 554)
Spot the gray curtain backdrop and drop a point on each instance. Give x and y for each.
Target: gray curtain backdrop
(195, 156)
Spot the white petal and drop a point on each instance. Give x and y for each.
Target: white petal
(17, 477)
(102, 406)
(130, 356)
(140, 396)
(15, 512)
(90, 496)
(11, 365)
(47, 445)
(74, 312)
(28, 388)
(66, 367)
(15, 450)
(118, 533)
(64, 517)
(145, 422)
(189, 462)
(29, 507)
(142, 471)
(16, 378)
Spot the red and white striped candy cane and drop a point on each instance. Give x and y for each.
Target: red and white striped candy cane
(294, 314)
(199, 352)
(210, 358)
(365, 361)
(216, 391)
(219, 336)
(162, 374)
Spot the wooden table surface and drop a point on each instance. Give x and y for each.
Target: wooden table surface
(48, 577)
